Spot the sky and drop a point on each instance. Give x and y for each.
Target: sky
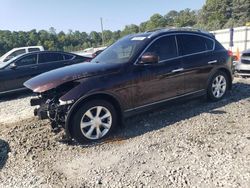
(84, 15)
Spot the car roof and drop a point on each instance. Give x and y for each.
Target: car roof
(163, 31)
(47, 51)
(27, 47)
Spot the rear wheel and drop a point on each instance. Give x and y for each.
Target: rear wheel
(218, 86)
(94, 121)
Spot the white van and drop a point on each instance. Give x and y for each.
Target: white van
(18, 51)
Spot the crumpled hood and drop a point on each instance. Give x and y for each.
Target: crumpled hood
(54, 78)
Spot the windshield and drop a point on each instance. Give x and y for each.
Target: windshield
(122, 51)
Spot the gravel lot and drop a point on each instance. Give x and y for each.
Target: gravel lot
(193, 144)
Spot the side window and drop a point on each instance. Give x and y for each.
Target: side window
(67, 56)
(164, 47)
(18, 52)
(209, 44)
(191, 44)
(33, 49)
(28, 60)
(15, 53)
(50, 57)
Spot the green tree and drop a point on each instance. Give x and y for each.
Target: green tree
(240, 12)
(215, 14)
(156, 21)
(185, 18)
(95, 38)
(130, 29)
(171, 17)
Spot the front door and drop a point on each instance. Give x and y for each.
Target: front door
(26, 68)
(158, 82)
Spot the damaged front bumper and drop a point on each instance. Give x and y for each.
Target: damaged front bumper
(53, 109)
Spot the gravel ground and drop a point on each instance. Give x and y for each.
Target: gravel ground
(193, 144)
(15, 108)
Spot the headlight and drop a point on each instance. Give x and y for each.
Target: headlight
(62, 103)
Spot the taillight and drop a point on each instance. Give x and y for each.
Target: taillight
(230, 53)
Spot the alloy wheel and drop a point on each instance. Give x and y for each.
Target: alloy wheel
(96, 122)
(219, 86)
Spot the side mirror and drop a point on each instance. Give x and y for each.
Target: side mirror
(13, 66)
(149, 58)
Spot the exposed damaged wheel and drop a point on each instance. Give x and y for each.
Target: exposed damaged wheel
(218, 86)
(94, 121)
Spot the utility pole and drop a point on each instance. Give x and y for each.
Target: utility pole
(102, 33)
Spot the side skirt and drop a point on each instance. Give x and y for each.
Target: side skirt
(13, 91)
(162, 103)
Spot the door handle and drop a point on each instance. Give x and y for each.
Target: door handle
(34, 67)
(178, 70)
(212, 62)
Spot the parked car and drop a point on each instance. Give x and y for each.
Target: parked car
(137, 73)
(16, 71)
(243, 66)
(18, 51)
(91, 52)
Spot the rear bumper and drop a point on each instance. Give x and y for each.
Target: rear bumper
(242, 69)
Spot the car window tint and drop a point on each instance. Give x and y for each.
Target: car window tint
(50, 57)
(164, 47)
(68, 56)
(191, 44)
(209, 44)
(33, 49)
(18, 52)
(15, 53)
(28, 60)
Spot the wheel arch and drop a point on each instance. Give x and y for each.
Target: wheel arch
(101, 96)
(226, 71)
(229, 75)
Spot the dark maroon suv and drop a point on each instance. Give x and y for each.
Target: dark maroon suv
(137, 73)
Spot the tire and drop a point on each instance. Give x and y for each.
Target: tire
(94, 121)
(218, 86)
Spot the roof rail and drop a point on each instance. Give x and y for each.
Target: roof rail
(158, 30)
(185, 29)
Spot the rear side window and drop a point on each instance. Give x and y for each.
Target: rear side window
(27, 60)
(67, 56)
(209, 44)
(164, 47)
(191, 44)
(50, 57)
(33, 49)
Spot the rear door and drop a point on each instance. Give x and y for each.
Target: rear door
(198, 56)
(50, 60)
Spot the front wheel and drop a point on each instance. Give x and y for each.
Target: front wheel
(218, 86)
(94, 121)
